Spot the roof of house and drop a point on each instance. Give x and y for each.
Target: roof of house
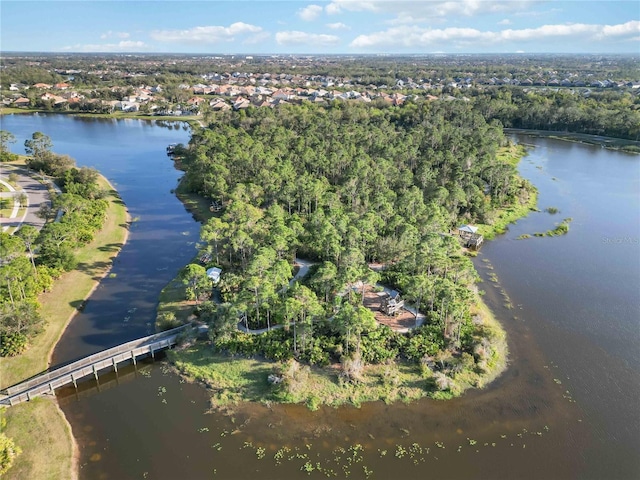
(214, 273)
(468, 228)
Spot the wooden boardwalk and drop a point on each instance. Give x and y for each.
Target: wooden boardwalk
(47, 382)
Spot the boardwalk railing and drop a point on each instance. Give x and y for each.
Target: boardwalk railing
(47, 382)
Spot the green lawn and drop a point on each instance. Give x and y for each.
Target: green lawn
(39, 428)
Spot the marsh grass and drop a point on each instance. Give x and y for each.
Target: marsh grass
(240, 379)
(235, 379)
(504, 216)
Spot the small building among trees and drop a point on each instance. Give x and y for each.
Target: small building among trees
(392, 303)
(470, 236)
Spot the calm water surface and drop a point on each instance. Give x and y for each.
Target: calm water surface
(132, 155)
(565, 408)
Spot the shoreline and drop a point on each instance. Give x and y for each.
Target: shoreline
(30, 364)
(106, 271)
(192, 120)
(64, 442)
(198, 363)
(613, 143)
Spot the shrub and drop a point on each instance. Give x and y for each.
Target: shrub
(352, 369)
(12, 344)
(8, 452)
(166, 321)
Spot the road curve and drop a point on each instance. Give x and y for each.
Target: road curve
(37, 193)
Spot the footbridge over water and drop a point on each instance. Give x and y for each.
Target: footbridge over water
(47, 382)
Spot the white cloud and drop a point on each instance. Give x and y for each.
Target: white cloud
(415, 36)
(628, 28)
(338, 26)
(206, 34)
(428, 9)
(112, 34)
(303, 38)
(123, 46)
(505, 21)
(310, 12)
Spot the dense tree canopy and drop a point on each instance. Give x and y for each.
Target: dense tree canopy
(346, 185)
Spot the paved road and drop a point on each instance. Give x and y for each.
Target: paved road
(37, 193)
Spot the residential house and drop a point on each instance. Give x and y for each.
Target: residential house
(281, 95)
(219, 105)
(196, 101)
(241, 103)
(22, 102)
(127, 106)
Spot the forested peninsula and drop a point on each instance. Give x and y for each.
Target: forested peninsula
(370, 197)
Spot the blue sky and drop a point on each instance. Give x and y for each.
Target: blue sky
(338, 26)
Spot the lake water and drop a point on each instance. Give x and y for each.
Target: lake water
(132, 155)
(565, 408)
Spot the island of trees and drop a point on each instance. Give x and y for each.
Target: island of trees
(369, 195)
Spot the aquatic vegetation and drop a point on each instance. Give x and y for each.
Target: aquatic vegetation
(308, 467)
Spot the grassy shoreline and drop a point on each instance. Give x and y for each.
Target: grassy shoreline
(231, 380)
(613, 143)
(190, 119)
(60, 304)
(39, 427)
(502, 217)
(49, 450)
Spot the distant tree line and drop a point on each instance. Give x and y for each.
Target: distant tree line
(612, 114)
